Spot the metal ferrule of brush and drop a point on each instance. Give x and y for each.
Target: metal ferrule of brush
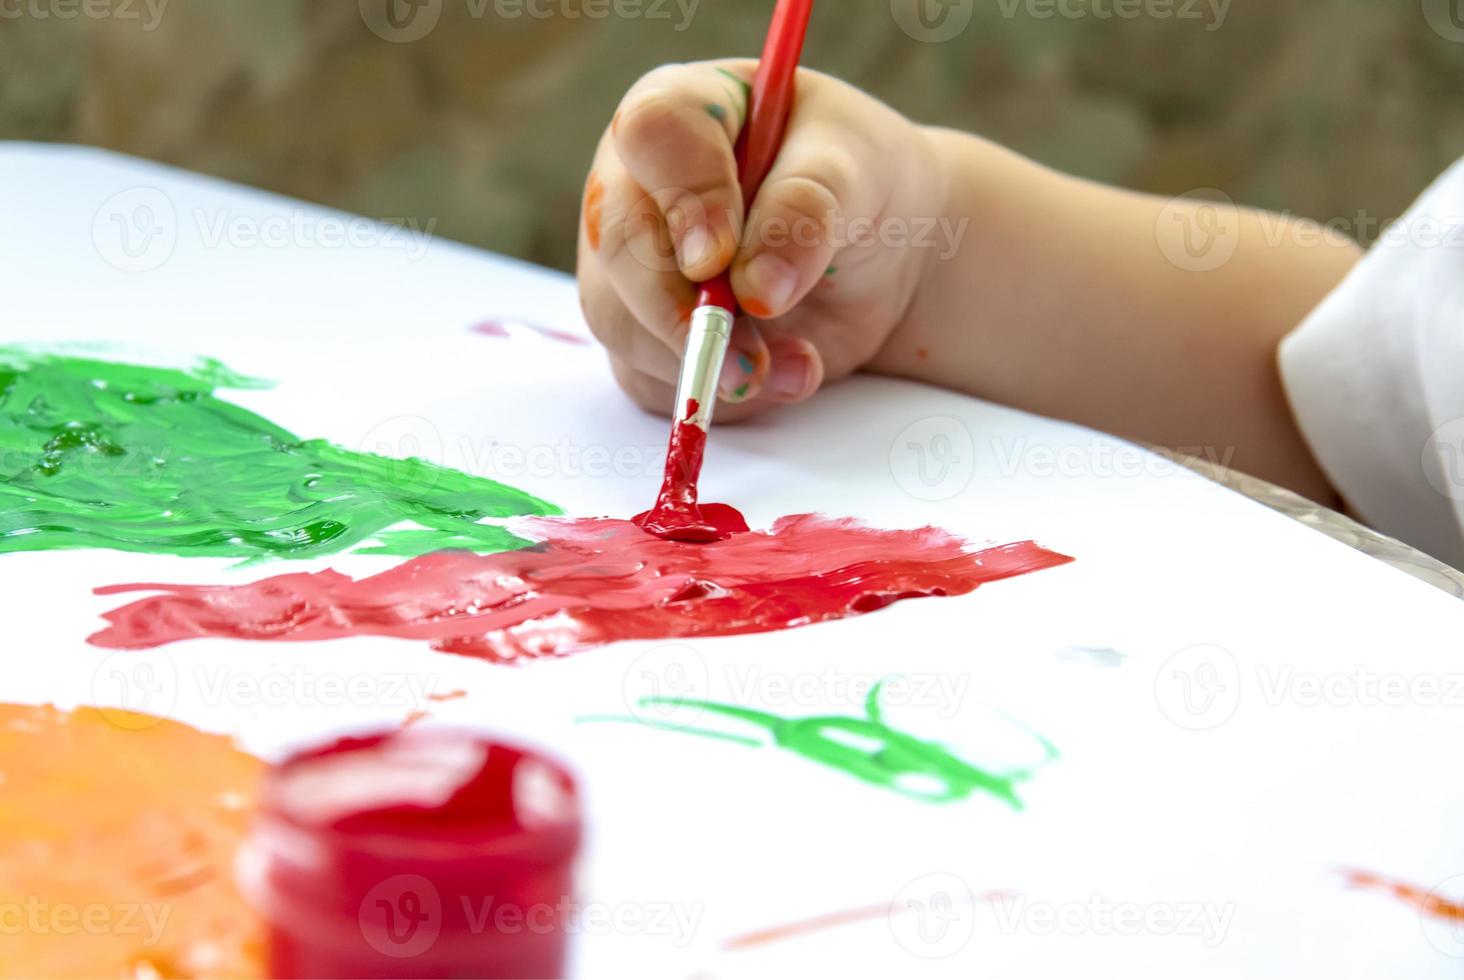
(701, 368)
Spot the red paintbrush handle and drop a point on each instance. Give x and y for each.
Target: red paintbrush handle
(718, 292)
(772, 95)
(767, 116)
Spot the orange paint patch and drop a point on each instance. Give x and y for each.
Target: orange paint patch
(422, 713)
(921, 353)
(120, 831)
(794, 929)
(757, 308)
(594, 196)
(1430, 903)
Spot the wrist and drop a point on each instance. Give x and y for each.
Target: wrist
(945, 266)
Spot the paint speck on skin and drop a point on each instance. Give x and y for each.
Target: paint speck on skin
(748, 370)
(716, 111)
(756, 307)
(594, 197)
(743, 85)
(921, 353)
(740, 95)
(753, 370)
(831, 270)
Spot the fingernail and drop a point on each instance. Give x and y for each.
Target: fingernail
(746, 366)
(694, 247)
(735, 382)
(772, 280)
(791, 375)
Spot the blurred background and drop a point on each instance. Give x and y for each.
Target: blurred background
(481, 115)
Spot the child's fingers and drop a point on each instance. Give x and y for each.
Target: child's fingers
(628, 235)
(796, 372)
(650, 393)
(618, 329)
(799, 217)
(674, 131)
(632, 247)
(656, 395)
(635, 300)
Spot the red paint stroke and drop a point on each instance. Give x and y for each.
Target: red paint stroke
(676, 515)
(502, 329)
(830, 920)
(589, 581)
(1427, 902)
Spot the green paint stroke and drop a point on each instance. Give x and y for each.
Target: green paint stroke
(865, 748)
(100, 454)
(741, 96)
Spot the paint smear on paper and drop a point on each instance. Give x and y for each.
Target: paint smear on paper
(120, 831)
(866, 748)
(1430, 903)
(887, 911)
(425, 712)
(99, 454)
(505, 328)
(587, 582)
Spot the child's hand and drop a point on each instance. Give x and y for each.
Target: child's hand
(823, 264)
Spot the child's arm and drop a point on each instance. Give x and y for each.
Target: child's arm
(877, 244)
(1082, 302)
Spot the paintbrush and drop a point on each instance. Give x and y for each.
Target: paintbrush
(676, 514)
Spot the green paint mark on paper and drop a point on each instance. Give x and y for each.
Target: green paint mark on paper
(865, 748)
(101, 454)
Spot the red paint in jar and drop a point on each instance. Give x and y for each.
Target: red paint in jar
(418, 852)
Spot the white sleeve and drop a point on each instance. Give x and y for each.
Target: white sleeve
(1375, 376)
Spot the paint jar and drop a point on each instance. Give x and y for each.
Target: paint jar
(419, 852)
